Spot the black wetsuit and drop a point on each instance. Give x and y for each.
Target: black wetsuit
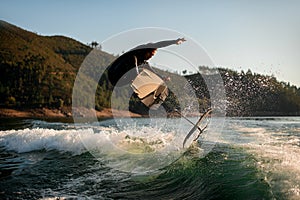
(130, 60)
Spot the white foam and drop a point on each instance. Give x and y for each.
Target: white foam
(277, 153)
(27, 140)
(77, 141)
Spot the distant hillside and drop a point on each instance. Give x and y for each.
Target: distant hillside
(39, 71)
(252, 94)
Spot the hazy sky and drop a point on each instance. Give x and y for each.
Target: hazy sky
(263, 36)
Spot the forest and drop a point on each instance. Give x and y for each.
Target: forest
(253, 94)
(39, 71)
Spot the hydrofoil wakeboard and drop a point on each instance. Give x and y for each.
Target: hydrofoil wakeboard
(152, 92)
(198, 126)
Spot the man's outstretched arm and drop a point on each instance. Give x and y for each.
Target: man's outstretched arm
(160, 44)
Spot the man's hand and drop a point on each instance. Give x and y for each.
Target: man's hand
(180, 40)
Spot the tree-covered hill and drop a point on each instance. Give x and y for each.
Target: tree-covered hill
(252, 94)
(39, 71)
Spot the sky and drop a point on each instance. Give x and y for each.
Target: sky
(260, 35)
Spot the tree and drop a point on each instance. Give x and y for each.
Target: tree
(94, 44)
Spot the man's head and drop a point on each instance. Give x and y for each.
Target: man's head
(145, 54)
(149, 53)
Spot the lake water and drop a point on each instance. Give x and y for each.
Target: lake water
(248, 158)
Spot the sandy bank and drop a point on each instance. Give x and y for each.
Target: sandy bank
(62, 113)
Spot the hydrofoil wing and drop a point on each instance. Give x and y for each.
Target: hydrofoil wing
(197, 126)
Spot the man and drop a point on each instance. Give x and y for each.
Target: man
(117, 71)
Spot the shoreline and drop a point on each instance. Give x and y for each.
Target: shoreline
(106, 113)
(40, 113)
